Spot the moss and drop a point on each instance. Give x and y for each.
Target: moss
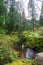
(23, 62)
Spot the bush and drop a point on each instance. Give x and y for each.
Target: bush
(7, 53)
(41, 30)
(35, 43)
(11, 39)
(15, 39)
(33, 40)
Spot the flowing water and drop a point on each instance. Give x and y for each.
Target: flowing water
(26, 53)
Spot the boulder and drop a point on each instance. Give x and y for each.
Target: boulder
(39, 58)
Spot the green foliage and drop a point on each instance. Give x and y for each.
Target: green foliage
(10, 39)
(41, 21)
(2, 13)
(2, 31)
(9, 23)
(7, 52)
(41, 30)
(15, 38)
(23, 62)
(34, 40)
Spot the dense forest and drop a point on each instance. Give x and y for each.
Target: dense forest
(21, 37)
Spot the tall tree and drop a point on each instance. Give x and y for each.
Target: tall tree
(2, 12)
(41, 16)
(12, 16)
(23, 20)
(32, 10)
(19, 7)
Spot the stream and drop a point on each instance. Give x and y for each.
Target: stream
(27, 53)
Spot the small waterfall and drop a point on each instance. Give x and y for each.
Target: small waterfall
(29, 54)
(26, 53)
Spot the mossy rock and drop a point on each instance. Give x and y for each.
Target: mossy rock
(39, 58)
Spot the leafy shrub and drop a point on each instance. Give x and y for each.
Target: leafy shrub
(41, 30)
(10, 39)
(35, 43)
(15, 39)
(2, 31)
(7, 53)
(33, 40)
